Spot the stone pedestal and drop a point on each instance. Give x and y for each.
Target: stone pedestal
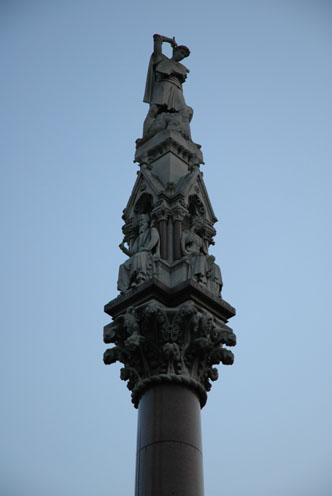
(184, 153)
(169, 446)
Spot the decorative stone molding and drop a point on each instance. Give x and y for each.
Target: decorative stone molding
(170, 188)
(195, 205)
(179, 210)
(157, 344)
(169, 140)
(161, 211)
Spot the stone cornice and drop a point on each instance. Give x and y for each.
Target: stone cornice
(165, 141)
(188, 290)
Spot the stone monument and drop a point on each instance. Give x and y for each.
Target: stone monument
(169, 326)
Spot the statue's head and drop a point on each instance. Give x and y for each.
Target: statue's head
(180, 52)
(143, 222)
(197, 223)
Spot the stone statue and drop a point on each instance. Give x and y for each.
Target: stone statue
(163, 90)
(196, 249)
(214, 283)
(139, 267)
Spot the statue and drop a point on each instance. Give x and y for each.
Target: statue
(139, 267)
(163, 90)
(214, 283)
(203, 268)
(196, 249)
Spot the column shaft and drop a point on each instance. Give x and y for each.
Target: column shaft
(163, 238)
(177, 239)
(170, 240)
(169, 446)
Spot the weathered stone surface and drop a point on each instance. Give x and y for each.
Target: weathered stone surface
(159, 344)
(165, 141)
(153, 289)
(172, 196)
(143, 253)
(169, 326)
(163, 90)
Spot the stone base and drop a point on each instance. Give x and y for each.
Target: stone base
(169, 140)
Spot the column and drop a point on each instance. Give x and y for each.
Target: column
(178, 214)
(169, 446)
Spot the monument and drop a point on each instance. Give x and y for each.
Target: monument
(169, 326)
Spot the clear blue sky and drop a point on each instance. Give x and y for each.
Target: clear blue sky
(71, 85)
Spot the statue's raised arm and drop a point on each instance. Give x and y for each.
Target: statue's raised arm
(158, 40)
(163, 90)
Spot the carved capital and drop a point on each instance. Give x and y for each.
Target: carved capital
(179, 211)
(161, 211)
(158, 344)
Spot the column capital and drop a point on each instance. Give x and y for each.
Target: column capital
(161, 211)
(179, 210)
(179, 345)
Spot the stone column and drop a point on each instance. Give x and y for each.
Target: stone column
(163, 238)
(161, 213)
(169, 445)
(177, 239)
(168, 356)
(169, 327)
(170, 246)
(178, 213)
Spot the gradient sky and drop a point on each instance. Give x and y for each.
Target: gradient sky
(71, 84)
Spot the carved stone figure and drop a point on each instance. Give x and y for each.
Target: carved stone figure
(145, 249)
(196, 249)
(163, 90)
(214, 282)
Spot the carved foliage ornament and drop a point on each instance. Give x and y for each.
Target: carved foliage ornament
(157, 345)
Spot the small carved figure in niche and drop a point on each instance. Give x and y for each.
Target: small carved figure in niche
(204, 342)
(163, 90)
(139, 267)
(130, 324)
(196, 248)
(214, 283)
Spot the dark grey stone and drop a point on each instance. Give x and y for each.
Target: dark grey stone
(153, 289)
(148, 151)
(161, 344)
(169, 445)
(143, 252)
(169, 326)
(163, 90)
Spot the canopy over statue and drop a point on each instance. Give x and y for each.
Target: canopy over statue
(163, 90)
